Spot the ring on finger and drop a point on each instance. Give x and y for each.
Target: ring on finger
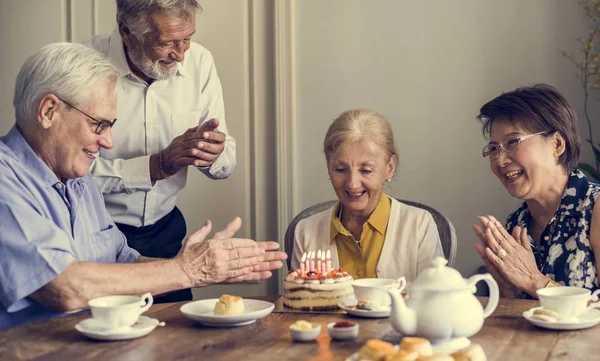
(501, 253)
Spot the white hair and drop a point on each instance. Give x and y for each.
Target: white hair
(67, 70)
(134, 13)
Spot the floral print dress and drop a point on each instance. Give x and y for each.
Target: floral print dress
(565, 254)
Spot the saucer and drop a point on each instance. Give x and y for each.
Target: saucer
(351, 309)
(589, 319)
(91, 328)
(203, 311)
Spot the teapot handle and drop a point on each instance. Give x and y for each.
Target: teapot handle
(494, 292)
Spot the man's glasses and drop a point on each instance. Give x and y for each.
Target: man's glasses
(101, 125)
(509, 144)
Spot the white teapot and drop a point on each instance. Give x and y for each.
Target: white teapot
(442, 306)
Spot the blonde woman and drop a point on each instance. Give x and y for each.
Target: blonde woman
(369, 233)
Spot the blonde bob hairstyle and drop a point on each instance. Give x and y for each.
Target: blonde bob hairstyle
(358, 125)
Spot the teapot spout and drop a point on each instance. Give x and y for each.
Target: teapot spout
(404, 319)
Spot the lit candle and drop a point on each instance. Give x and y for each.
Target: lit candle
(328, 261)
(322, 262)
(319, 268)
(302, 263)
(312, 260)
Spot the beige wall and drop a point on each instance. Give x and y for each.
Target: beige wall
(427, 65)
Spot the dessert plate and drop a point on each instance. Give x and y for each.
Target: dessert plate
(203, 311)
(350, 308)
(589, 319)
(91, 328)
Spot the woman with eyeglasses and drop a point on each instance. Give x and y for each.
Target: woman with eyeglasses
(550, 239)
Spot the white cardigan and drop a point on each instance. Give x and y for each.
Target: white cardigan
(411, 241)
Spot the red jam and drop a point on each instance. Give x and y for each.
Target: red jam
(343, 324)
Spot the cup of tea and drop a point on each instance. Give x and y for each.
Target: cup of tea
(568, 302)
(119, 311)
(374, 290)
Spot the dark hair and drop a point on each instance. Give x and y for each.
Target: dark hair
(540, 108)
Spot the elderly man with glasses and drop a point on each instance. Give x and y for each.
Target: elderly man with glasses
(59, 247)
(172, 118)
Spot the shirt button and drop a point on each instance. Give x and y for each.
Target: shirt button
(59, 185)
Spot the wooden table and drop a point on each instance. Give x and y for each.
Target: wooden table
(505, 336)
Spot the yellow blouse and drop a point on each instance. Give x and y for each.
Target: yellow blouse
(360, 258)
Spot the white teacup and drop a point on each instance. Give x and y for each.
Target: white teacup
(119, 311)
(374, 290)
(568, 302)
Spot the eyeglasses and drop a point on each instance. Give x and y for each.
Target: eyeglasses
(101, 125)
(509, 144)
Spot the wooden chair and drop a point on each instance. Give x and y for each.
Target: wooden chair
(444, 226)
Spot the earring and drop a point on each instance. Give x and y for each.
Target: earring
(388, 180)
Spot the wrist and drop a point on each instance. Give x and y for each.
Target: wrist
(538, 282)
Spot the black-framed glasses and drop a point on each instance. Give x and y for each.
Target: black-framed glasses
(101, 125)
(509, 144)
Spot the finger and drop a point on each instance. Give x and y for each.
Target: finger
(268, 245)
(484, 221)
(491, 241)
(233, 226)
(504, 233)
(480, 249)
(214, 137)
(200, 234)
(495, 260)
(254, 276)
(480, 233)
(212, 148)
(204, 155)
(208, 125)
(275, 256)
(267, 266)
(501, 236)
(525, 242)
(243, 263)
(232, 273)
(245, 253)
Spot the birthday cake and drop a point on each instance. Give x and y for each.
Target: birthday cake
(316, 288)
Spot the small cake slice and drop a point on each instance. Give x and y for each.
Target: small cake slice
(544, 314)
(229, 305)
(420, 345)
(375, 350)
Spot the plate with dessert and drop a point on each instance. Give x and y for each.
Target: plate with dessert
(365, 309)
(227, 311)
(319, 290)
(549, 319)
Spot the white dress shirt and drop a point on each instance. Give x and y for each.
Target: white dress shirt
(411, 241)
(150, 117)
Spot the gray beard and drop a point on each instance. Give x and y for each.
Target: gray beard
(152, 69)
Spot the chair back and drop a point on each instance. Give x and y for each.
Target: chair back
(444, 226)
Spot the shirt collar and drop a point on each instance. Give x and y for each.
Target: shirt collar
(570, 205)
(23, 152)
(378, 219)
(117, 57)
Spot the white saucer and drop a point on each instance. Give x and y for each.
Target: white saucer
(203, 311)
(350, 308)
(91, 328)
(587, 320)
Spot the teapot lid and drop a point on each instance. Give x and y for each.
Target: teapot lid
(439, 277)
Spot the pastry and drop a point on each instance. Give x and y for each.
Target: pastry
(375, 350)
(472, 353)
(420, 345)
(436, 357)
(544, 314)
(402, 355)
(229, 305)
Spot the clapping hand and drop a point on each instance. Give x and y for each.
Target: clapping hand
(227, 259)
(509, 258)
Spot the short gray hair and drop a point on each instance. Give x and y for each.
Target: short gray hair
(134, 13)
(65, 69)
